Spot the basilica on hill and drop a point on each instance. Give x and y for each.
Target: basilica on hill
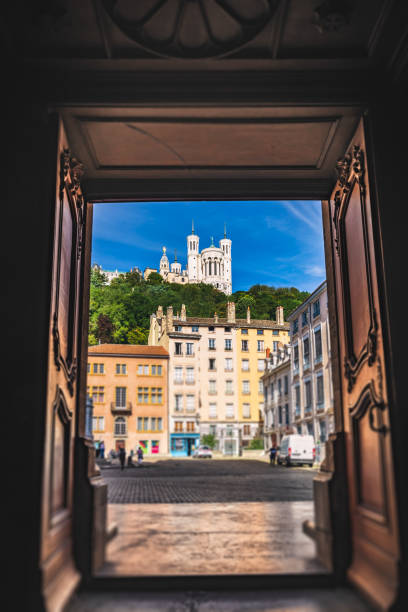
(211, 266)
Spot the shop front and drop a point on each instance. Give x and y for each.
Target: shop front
(183, 445)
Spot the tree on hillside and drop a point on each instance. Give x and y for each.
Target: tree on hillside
(104, 329)
(154, 279)
(138, 335)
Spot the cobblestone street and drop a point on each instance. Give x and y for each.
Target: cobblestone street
(208, 481)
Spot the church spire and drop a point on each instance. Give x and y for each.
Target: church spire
(225, 230)
(175, 255)
(192, 226)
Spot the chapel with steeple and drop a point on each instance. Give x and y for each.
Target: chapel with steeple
(211, 266)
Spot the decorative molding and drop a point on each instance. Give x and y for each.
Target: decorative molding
(191, 29)
(373, 401)
(351, 171)
(62, 415)
(71, 172)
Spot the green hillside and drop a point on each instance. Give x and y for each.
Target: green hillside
(120, 312)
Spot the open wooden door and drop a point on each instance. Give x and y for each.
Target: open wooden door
(58, 571)
(365, 393)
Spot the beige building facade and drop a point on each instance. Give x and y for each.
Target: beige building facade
(312, 390)
(277, 396)
(226, 357)
(129, 388)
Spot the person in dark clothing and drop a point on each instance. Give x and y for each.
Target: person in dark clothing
(139, 456)
(272, 455)
(122, 457)
(102, 450)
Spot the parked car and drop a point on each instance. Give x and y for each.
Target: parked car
(296, 449)
(203, 452)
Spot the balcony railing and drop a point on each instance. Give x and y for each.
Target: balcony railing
(298, 413)
(318, 359)
(125, 409)
(320, 407)
(308, 411)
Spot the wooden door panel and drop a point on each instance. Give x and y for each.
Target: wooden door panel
(370, 472)
(58, 569)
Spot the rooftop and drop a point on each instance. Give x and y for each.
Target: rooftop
(223, 322)
(129, 350)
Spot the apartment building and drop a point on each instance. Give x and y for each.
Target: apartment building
(312, 391)
(277, 396)
(128, 385)
(228, 362)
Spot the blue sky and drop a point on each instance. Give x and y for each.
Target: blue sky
(273, 243)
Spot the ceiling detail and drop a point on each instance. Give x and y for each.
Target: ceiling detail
(191, 28)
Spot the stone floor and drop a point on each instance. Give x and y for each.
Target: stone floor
(311, 600)
(212, 539)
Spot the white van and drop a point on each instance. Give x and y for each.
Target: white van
(297, 450)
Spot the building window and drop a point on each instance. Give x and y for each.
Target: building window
(286, 385)
(211, 344)
(212, 386)
(308, 395)
(159, 424)
(275, 332)
(318, 344)
(245, 386)
(212, 411)
(178, 426)
(229, 411)
(260, 386)
(323, 431)
(189, 348)
(143, 395)
(98, 368)
(245, 365)
(296, 357)
(139, 423)
(140, 369)
(271, 390)
(120, 397)
(178, 405)
(229, 389)
(120, 426)
(259, 332)
(246, 410)
(280, 415)
(246, 430)
(228, 364)
(156, 395)
(178, 374)
(98, 423)
(227, 330)
(178, 328)
(306, 352)
(295, 326)
(319, 392)
(194, 328)
(261, 345)
(275, 346)
(286, 414)
(211, 364)
(316, 308)
(228, 344)
(261, 365)
(244, 345)
(121, 368)
(297, 401)
(190, 406)
(213, 430)
(244, 331)
(189, 375)
(178, 348)
(88, 368)
(190, 426)
(156, 370)
(304, 318)
(211, 328)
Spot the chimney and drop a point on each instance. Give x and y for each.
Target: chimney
(279, 315)
(215, 317)
(248, 315)
(169, 317)
(183, 316)
(268, 352)
(159, 313)
(230, 312)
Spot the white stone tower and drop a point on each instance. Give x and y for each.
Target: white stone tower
(164, 264)
(176, 265)
(225, 246)
(193, 257)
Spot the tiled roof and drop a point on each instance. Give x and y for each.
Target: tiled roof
(134, 350)
(223, 322)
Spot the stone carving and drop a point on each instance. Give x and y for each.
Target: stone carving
(191, 28)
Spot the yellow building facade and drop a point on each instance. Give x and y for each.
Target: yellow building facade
(129, 388)
(254, 339)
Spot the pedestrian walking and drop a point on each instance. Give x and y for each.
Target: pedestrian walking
(139, 456)
(102, 449)
(130, 458)
(272, 455)
(97, 448)
(122, 457)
